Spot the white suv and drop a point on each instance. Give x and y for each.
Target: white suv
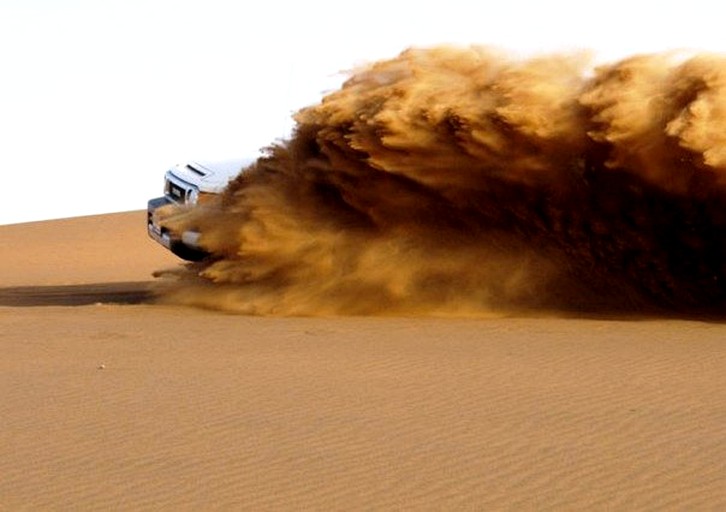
(186, 184)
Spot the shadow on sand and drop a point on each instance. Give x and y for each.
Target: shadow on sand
(77, 294)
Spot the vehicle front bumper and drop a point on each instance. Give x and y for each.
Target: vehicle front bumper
(185, 246)
(156, 232)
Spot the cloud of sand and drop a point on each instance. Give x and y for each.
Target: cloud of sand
(464, 181)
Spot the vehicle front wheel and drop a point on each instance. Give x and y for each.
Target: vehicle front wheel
(187, 253)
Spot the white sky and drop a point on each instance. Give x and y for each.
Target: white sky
(99, 97)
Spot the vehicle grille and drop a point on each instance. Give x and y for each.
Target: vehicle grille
(177, 190)
(177, 193)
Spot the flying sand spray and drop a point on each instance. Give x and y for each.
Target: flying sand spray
(460, 181)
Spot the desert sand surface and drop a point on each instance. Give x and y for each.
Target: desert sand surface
(111, 401)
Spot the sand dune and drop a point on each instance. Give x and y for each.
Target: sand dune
(113, 402)
(82, 250)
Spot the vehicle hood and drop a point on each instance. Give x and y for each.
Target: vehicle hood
(211, 177)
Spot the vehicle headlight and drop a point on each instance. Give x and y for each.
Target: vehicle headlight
(193, 196)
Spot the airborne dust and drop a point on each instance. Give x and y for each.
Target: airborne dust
(462, 181)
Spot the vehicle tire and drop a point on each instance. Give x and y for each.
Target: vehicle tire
(187, 253)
